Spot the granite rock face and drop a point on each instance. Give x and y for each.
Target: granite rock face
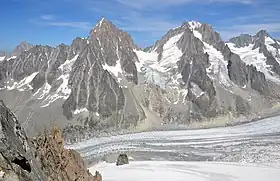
(116, 47)
(17, 160)
(58, 163)
(245, 75)
(42, 159)
(211, 37)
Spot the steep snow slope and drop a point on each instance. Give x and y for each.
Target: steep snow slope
(218, 65)
(269, 44)
(158, 72)
(182, 171)
(170, 56)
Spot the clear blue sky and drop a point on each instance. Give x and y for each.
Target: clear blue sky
(60, 21)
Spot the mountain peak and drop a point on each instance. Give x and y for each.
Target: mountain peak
(22, 47)
(262, 33)
(103, 22)
(194, 24)
(103, 25)
(190, 24)
(24, 44)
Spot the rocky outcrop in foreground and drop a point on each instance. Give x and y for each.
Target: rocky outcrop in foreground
(42, 159)
(59, 163)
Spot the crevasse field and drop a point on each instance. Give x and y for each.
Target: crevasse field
(248, 152)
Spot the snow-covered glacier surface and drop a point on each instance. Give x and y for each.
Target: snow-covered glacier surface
(243, 152)
(184, 171)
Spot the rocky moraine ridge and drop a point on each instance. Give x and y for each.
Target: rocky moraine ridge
(104, 82)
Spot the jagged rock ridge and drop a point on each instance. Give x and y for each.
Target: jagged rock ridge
(106, 83)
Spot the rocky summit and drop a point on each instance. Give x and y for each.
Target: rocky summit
(105, 83)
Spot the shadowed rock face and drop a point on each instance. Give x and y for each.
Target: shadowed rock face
(243, 74)
(16, 158)
(242, 40)
(45, 159)
(92, 86)
(211, 37)
(246, 39)
(193, 64)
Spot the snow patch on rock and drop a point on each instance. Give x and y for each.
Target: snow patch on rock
(66, 67)
(218, 66)
(78, 111)
(2, 58)
(194, 24)
(24, 84)
(13, 57)
(116, 70)
(255, 58)
(43, 91)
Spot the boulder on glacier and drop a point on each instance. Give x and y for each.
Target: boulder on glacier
(122, 160)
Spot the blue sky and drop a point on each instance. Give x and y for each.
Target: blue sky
(59, 21)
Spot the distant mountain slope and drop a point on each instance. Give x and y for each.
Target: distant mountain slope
(104, 82)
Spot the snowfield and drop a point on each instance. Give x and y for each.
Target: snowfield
(248, 152)
(253, 142)
(186, 171)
